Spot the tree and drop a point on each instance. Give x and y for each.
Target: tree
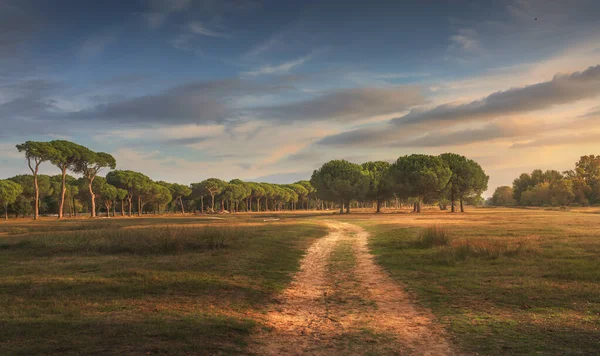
(300, 192)
(213, 187)
(133, 182)
(467, 180)
(32, 190)
(36, 153)
(269, 194)
(9, 192)
(503, 196)
(108, 195)
(247, 190)
(65, 156)
(419, 176)
(258, 192)
(121, 195)
(178, 191)
(340, 181)
(310, 189)
(90, 164)
(380, 188)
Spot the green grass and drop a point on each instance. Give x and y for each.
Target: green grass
(504, 283)
(101, 287)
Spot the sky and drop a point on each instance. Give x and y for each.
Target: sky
(184, 90)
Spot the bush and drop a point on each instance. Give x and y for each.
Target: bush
(433, 236)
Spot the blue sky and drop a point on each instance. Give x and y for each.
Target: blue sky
(184, 90)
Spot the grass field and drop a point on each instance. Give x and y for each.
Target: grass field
(142, 285)
(503, 281)
(507, 282)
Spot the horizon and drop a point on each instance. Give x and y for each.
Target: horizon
(186, 90)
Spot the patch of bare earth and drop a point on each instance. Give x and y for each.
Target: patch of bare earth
(342, 302)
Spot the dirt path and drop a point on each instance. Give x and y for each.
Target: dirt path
(341, 302)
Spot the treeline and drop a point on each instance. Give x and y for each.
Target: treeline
(579, 186)
(443, 180)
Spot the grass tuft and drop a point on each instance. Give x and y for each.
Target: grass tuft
(433, 236)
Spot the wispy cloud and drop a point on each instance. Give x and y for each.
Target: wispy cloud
(95, 45)
(264, 46)
(282, 68)
(159, 11)
(199, 28)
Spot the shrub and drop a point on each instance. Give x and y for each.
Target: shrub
(433, 236)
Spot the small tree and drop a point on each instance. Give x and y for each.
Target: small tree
(108, 195)
(9, 191)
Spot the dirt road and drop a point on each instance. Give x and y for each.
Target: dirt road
(341, 302)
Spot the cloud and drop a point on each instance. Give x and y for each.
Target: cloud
(486, 133)
(346, 104)
(264, 46)
(95, 45)
(561, 140)
(193, 103)
(159, 10)
(465, 39)
(282, 68)
(562, 89)
(199, 29)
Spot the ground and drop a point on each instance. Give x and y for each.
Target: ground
(506, 281)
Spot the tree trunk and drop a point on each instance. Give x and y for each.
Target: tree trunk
(182, 209)
(258, 205)
(36, 212)
(114, 206)
(91, 181)
(63, 190)
(202, 204)
(139, 206)
(418, 206)
(222, 205)
(378, 206)
(107, 210)
(341, 208)
(213, 203)
(462, 208)
(130, 200)
(348, 208)
(452, 209)
(123, 207)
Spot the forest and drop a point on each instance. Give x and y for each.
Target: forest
(576, 187)
(447, 180)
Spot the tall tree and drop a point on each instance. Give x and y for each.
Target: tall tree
(65, 156)
(420, 176)
(310, 189)
(380, 188)
(9, 191)
(33, 187)
(340, 181)
(90, 164)
(503, 196)
(467, 180)
(36, 153)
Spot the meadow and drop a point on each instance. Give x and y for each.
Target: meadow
(498, 281)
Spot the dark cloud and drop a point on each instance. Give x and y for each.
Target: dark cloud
(197, 102)
(377, 136)
(346, 105)
(488, 132)
(562, 89)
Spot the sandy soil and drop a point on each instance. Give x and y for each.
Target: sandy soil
(370, 313)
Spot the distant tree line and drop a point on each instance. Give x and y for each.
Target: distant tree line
(579, 186)
(445, 180)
